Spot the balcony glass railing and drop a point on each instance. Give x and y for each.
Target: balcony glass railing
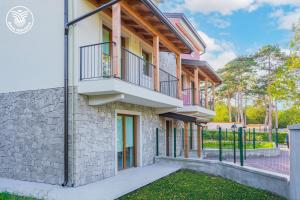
(96, 62)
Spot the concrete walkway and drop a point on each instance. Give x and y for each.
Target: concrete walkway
(111, 188)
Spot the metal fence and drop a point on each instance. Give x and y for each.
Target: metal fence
(247, 147)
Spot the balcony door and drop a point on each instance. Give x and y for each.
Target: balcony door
(105, 49)
(126, 141)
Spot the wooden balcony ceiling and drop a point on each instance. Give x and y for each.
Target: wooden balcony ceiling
(153, 22)
(205, 72)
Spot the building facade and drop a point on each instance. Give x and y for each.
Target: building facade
(126, 86)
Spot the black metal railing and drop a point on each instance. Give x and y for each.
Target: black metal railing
(95, 61)
(202, 98)
(168, 84)
(136, 70)
(188, 96)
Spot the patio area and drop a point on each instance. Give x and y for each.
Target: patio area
(110, 188)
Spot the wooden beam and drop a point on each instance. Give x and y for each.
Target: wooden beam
(206, 93)
(186, 140)
(138, 19)
(156, 62)
(196, 84)
(116, 37)
(178, 75)
(199, 141)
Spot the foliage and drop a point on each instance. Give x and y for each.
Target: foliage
(7, 196)
(187, 184)
(255, 114)
(221, 112)
(214, 144)
(289, 117)
(259, 136)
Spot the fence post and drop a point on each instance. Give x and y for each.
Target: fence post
(174, 142)
(234, 147)
(245, 142)
(254, 138)
(157, 152)
(294, 138)
(249, 138)
(241, 146)
(220, 144)
(226, 135)
(276, 137)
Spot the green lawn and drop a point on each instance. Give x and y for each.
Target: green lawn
(214, 144)
(7, 196)
(194, 185)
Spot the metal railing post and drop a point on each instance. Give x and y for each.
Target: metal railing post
(157, 144)
(226, 135)
(276, 137)
(241, 146)
(220, 144)
(245, 143)
(254, 138)
(234, 147)
(174, 142)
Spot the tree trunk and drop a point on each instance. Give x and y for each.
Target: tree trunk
(240, 107)
(266, 118)
(270, 119)
(276, 115)
(229, 109)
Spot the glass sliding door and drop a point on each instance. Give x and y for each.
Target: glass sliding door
(126, 141)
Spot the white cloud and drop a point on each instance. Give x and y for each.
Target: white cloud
(218, 53)
(218, 22)
(286, 20)
(229, 6)
(224, 7)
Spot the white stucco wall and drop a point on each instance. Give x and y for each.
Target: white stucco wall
(33, 60)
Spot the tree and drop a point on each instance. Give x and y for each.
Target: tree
(238, 73)
(269, 58)
(227, 90)
(221, 112)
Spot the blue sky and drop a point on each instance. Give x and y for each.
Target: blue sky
(238, 27)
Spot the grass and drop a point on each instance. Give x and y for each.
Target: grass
(191, 185)
(214, 144)
(7, 196)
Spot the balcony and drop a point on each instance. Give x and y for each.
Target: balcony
(196, 107)
(135, 84)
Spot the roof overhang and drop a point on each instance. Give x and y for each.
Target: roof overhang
(205, 67)
(189, 25)
(149, 13)
(184, 118)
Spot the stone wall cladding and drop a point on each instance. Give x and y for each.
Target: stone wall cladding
(31, 135)
(95, 138)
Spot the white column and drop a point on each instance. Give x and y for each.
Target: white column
(294, 138)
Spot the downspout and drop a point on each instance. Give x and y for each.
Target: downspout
(67, 24)
(66, 96)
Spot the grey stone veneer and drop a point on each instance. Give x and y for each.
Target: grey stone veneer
(95, 138)
(31, 135)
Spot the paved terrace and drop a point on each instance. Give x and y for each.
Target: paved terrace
(126, 181)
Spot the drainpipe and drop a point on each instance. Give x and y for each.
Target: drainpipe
(66, 76)
(66, 97)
